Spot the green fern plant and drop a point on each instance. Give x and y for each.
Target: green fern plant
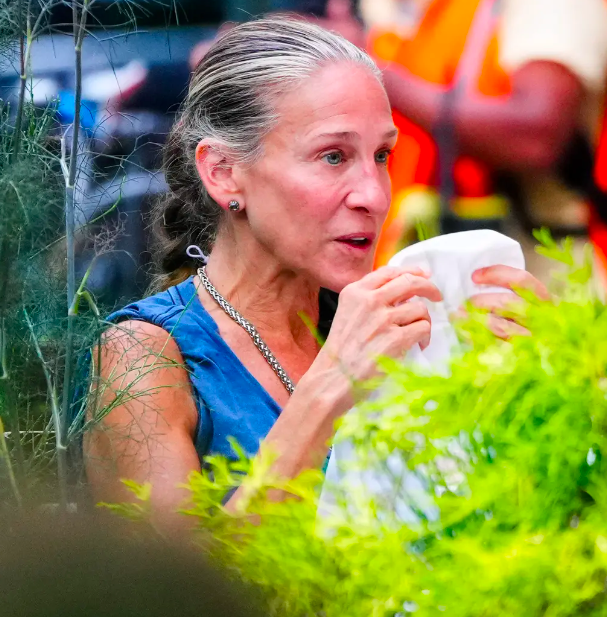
(519, 527)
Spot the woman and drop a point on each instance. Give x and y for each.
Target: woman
(278, 172)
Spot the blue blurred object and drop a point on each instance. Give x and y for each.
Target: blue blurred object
(66, 111)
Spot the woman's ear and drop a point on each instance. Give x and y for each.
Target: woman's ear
(215, 168)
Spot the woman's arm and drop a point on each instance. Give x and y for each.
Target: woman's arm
(147, 433)
(527, 129)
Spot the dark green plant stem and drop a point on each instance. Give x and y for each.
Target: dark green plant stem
(79, 24)
(5, 454)
(22, 83)
(3, 346)
(12, 417)
(6, 251)
(26, 37)
(52, 391)
(4, 275)
(5, 248)
(10, 399)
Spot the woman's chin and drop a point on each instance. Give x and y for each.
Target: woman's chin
(338, 280)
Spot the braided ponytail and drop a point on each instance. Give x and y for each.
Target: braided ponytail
(185, 216)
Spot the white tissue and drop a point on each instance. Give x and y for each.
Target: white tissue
(451, 260)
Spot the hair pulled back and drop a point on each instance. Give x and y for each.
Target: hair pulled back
(232, 98)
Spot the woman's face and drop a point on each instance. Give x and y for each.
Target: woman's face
(318, 196)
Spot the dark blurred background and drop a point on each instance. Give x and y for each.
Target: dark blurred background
(137, 61)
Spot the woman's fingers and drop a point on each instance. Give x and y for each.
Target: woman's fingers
(406, 286)
(385, 274)
(514, 279)
(414, 321)
(504, 329)
(409, 312)
(496, 301)
(511, 278)
(416, 332)
(500, 327)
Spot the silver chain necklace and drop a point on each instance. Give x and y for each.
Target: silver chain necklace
(240, 320)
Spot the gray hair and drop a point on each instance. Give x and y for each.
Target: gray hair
(232, 98)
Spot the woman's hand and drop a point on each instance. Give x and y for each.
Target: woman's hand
(499, 303)
(374, 319)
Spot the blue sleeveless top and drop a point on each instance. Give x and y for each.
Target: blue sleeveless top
(230, 400)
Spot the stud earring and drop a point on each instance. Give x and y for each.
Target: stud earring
(234, 206)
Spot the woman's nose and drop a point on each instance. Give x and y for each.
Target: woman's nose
(370, 192)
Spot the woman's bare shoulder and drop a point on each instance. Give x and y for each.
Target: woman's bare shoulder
(144, 360)
(137, 339)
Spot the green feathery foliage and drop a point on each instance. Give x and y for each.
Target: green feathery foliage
(12, 17)
(49, 322)
(30, 219)
(511, 448)
(33, 306)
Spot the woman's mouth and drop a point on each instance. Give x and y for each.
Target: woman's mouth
(357, 241)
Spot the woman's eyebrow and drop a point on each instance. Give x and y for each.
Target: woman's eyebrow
(352, 135)
(344, 135)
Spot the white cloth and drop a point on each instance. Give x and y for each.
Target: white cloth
(451, 260)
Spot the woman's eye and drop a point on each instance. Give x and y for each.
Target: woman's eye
(334, 158)
(383, 156)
